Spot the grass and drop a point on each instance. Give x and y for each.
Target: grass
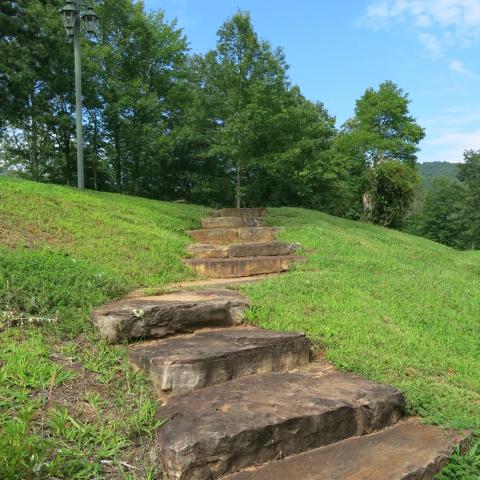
(70, 407)
(390, 306)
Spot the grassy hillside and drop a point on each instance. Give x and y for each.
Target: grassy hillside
(430, 170)
(393, 307)
(70, 407)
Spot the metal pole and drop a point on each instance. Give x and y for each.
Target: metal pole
(78, 97)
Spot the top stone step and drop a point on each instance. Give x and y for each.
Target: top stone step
(240, 212)
(231, 222)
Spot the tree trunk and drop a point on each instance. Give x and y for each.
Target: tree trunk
(95, 152)
(238, 188)
(34, 157)
(68, 160)
(118, 159)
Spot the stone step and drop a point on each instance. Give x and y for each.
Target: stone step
(179, 364)
(234, 235)
(406, 451)
(254, 419)
(164, 315)
(231, 222)
(241, 212)
(241, 267)
(235, 250)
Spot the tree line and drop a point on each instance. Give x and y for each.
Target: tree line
(449, 210)
(224, 128)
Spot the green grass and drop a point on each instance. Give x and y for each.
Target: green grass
(70, 407)
(392, 307)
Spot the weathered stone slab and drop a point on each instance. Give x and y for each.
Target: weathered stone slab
(407, 451)
(258, 418)
(234, 235)
(242, 266)
(183, 363)
(231, 222)
(236, 250)
(262, 249)
(206, 250)
(241, 212)
(164, 315)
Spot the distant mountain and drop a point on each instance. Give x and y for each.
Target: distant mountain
(430, 170)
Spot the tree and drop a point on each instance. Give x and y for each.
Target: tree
(258, 140)
(469, 174)
(444, 216)
(382, 130)
(243, 86)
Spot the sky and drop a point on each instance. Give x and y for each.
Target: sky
(338, 48)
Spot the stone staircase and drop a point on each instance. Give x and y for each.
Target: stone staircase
(234, 243)
(243, 403)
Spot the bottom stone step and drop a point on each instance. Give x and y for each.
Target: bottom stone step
(406, 451)
(180, 364)
(242, 267)
(259, 418)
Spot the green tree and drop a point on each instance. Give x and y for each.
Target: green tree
(382, 130)
(258, 140)
(444, 216)
(244, 85)
(469, 174)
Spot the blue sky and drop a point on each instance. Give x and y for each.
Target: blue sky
(338, 48)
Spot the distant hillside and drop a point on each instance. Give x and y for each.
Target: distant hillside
(431, 170)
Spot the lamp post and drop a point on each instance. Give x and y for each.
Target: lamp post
(72, 18)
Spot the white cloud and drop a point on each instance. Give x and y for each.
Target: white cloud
(455, 22)
(458, 67)
(431, 44)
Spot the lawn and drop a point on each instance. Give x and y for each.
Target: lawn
(390, 306)
(70, 407)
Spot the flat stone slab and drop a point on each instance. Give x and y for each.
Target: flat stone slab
(164, 315)
(258, 418)
(236, 250)
(406, 451)
(231, 222)
(234, 235)
(241, 212)
(242, 266)
(184, 363)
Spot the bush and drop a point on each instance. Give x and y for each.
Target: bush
(392, 190)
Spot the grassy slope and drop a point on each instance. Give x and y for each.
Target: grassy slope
(67, 400)
(393, 307)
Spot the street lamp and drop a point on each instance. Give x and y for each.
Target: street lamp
(72, 18)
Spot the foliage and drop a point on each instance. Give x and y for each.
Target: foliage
(392, 189)
(382, 127)
(450, 212)
(265, 142)
(380, 133)
(430, 170)
(469, 174)
(443, 217)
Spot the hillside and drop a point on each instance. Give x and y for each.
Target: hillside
(393, 307)
(431, 170)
